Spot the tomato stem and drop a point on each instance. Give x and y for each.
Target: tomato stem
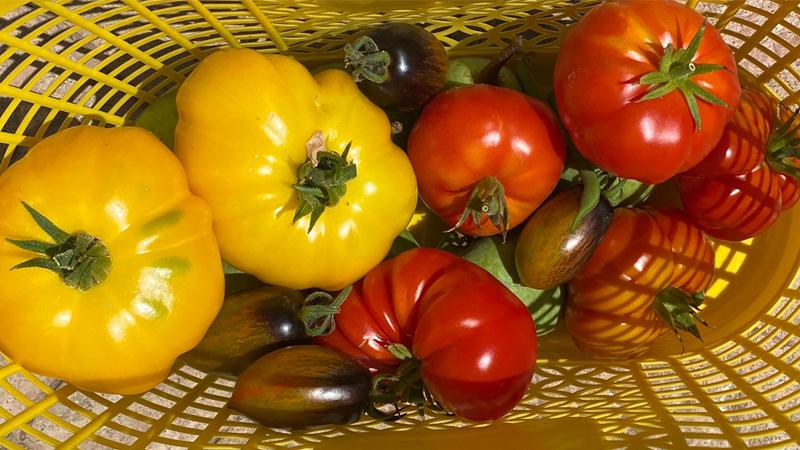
(675, 71)
(490, 73)
(488, 198)
(320, 309)
(321, 179)
(401, 390)
(679, 309)
(367, 60)
(81, 260)
(783, 147)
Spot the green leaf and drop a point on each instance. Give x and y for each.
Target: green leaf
(39, 263)
(527, 79)
(653, 78)
(497, 259)
(701, 69)
(688, 54)
(628, 192)
(589, 198)
(45, 224)
(695, 89)
(403, 242)
(161, 118)
(666, 59)
(31, 246)
(659, 91)
(691, 101)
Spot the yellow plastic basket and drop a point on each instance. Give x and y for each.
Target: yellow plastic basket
(64, 63)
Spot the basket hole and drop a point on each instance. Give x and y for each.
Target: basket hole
(69, 415)
(37, 125)
(210, 402)
(175, 392)
(19, 152)
(26, 440)
(145, 411)
(750, 16)
(190, 372)
(10, 403)
(178, 435)
(158, 400)
(25, 30)
(183, 381)
(183, 422)
(228, 440)
(80, 399)
(50, 429)
(25, 387)
(130, 422)
(17, 116)
(205, 413)
(225, 382)
(721, 443)
(237, 429)
(115, 435)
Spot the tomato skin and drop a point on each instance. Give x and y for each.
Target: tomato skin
(242, 148)
(597, 86)
(475, 340)
(743, 144)
(472, 132)
(165, 284)
(733, 207)
(609, 313)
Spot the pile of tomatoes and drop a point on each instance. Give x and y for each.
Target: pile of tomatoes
(318, 189)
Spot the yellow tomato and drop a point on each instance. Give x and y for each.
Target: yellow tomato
(272, 148)
(119, 272)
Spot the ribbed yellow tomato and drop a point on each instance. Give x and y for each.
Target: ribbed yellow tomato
(117, 271)
(306, 187)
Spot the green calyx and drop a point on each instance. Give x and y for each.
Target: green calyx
(321, 179)
(394, 394)
(675, 72)
(620, 192)
(679, 310)
(366, 61)
(783, 147)
(488, 198)
(81, 260)
(320, 309)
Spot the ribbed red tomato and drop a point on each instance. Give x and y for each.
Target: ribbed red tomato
(645, 88)
(486, 157)
(739, 189)
(639, 278)
(475, 341)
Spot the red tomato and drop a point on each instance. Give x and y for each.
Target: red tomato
(611, 85)
(476, 342)
(735, 193)
(733, 207)
(610, 311)
(486, 157)
(744, 142)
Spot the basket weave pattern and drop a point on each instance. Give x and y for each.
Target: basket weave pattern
(101, 62)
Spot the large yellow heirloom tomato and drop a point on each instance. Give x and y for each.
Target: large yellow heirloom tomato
(305, 185)
(108, 265)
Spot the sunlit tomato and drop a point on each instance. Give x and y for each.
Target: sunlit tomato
(474, 340)
(645, 88)
(486, 157)
(647, 258)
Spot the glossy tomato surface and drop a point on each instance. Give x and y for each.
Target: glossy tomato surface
(473, 132)
(476, 342)
(598, 88)
(610, 310)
